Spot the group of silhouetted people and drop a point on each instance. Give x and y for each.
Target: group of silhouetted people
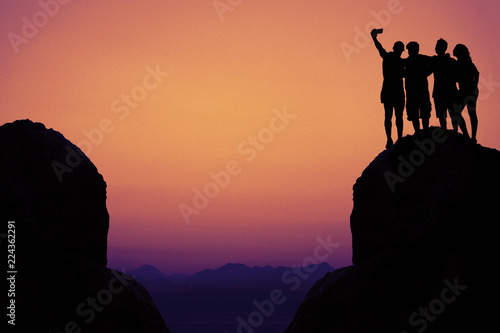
(415, 69)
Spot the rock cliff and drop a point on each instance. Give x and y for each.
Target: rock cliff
(422, 243)
(57, 199)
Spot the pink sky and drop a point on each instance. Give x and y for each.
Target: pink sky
(162, 94)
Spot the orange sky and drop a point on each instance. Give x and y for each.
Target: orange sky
(99, 69)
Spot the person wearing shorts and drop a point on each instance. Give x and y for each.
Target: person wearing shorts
(445, 90)
(418, 103)
(392, 94)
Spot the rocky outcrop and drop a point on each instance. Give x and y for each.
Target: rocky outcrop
(61, 207)
(422, 243)
(57, 199)
(425, 193)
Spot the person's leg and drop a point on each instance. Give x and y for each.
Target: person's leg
(442, 118)
(388, 107)
(440, 113)
(471, 108)
(457, 120)
(456, 117)
(474, 124)
(442, 122)
(425, 113)
(398, 111)
(412, 111)
(416, 126)
(463, 127)
(425, 124)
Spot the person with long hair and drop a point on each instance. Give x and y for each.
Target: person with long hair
(445, 88)
(468, 80)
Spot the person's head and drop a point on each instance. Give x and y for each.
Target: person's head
(398, 48)
(461, 52)
(413, 48)
(441, 46)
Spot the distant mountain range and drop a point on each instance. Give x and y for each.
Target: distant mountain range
(232, 277)
(149, 273)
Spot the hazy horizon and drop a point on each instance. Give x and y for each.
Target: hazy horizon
(127, 266)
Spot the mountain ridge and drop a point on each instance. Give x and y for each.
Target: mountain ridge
(231, 276)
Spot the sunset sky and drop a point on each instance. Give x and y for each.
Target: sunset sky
(277, 100)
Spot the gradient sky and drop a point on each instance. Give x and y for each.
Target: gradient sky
(86, 71)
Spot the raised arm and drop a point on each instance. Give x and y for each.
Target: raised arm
(379, 46)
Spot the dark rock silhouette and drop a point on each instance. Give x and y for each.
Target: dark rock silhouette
(57, 199)
(422, 248)
(434, 206)
(67, 216)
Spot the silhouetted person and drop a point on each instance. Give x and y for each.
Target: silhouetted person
(418, 103)
(445, 90)
(468, 79)
(392, 94)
